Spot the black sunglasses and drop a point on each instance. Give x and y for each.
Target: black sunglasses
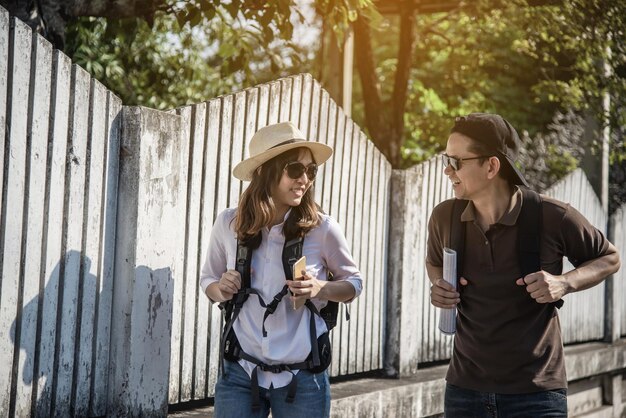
(455, 163)
(296, 169)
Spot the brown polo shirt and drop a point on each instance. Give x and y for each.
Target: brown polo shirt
(505, 341)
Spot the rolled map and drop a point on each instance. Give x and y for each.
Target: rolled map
(447, 320)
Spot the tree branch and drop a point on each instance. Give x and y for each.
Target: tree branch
(401, 83)
(374, 111)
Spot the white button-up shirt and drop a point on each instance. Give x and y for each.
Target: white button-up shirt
(288, 339)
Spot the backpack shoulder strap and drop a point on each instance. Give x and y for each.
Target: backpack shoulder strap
(529, 227)
(457, 233)
(529, 232)
(243, 261)
(292, 251)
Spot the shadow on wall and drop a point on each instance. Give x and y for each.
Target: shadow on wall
(62, 338)
(70, 307)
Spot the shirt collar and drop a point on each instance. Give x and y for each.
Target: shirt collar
(509, 217)
(279, 227)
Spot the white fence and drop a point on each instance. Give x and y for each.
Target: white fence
(352, 187)
(58, 229)
(105, 217)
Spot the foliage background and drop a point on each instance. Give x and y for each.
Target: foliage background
(545, 68)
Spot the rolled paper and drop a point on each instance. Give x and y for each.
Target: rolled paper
(447, 320)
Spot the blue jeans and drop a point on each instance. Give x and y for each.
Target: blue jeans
(233, 398)
(467, 403)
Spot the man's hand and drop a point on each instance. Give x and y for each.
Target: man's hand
(544, 287)
(443, 295)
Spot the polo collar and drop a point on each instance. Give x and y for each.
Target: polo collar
(510, 216)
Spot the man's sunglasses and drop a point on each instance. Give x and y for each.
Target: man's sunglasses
(455, 163)
(296, 169)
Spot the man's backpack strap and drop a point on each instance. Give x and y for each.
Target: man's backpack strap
(529, 232)
(457, 233)
(529, 226)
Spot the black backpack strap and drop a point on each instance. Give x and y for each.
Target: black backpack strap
(529, 232)
(242, 264)
(457, 233)
(529, 226)
(292, 251)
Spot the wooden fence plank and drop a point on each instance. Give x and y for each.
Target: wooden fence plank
(209, 213)
(381, 235)
(224, 175)
(4, 82)
(286, 90)
(326, 199)
(350, 198)
(92, 241)
(296, 101)
(321, 135)
(368, 252)
(105, 300)
(308, 107)
(36, 162)
(54, 256)
(194, 118)
(175, 389)
(77, 155)
(195, 257)
(237, 139)
(618, 226)
(13, 207)
(360, 240)
(329, 167)
(263, 110)
(252, 116)
(274, 100)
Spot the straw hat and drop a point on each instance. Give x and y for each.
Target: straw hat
(275, 139)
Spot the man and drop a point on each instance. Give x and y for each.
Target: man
(508, 354)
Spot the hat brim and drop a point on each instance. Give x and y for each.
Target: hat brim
(518, 174)
(246, 168)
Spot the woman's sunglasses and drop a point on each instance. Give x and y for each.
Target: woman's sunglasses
(296, 169)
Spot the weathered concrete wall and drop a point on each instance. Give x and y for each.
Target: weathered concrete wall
(150, 202)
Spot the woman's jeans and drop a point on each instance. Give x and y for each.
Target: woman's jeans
(467, 403)
(233, 398)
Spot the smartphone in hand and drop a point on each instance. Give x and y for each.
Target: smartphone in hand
(297, 275)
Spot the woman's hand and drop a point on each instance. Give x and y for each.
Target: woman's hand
(310, 287)
(306, 288)
(226, 287)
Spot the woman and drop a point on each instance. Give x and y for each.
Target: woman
(280, 353)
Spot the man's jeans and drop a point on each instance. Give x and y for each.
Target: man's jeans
(233, 398)
(465, 403)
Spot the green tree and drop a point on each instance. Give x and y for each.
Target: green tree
(526, 62)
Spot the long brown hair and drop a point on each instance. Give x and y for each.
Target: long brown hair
(256, 208)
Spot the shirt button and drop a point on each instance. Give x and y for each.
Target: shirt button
(486, 242)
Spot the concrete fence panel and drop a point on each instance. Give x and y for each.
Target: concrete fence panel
(60, 143)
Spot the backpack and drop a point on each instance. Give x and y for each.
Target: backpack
(529, 224)
(320, 357)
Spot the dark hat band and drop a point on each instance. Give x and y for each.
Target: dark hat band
(290, 141)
